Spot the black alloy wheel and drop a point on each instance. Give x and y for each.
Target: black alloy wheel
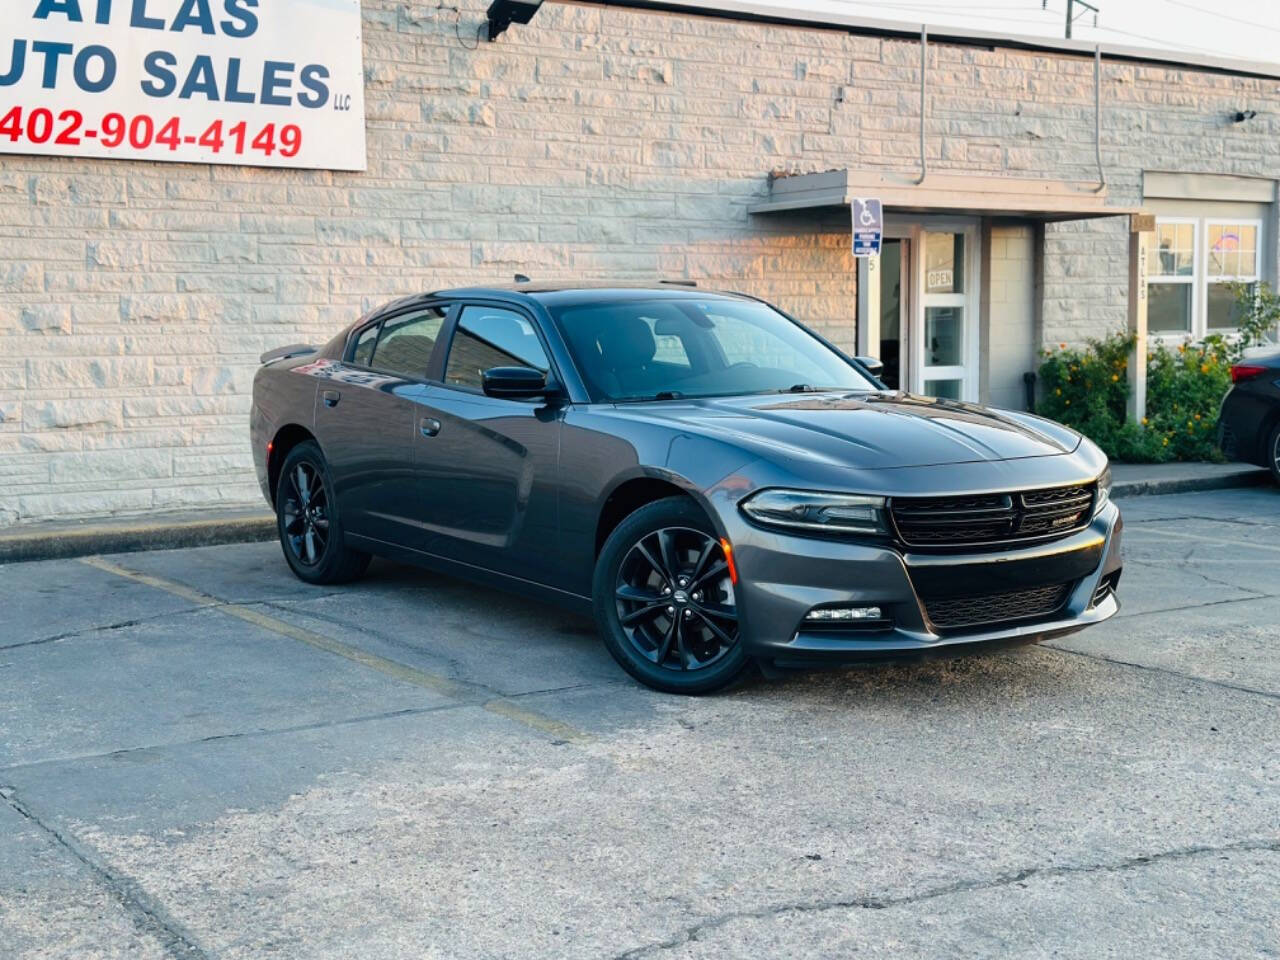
(308, 521)
(666, 602)
(306, 513)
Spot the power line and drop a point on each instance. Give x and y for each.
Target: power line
(1177, 45)
(1222, 16)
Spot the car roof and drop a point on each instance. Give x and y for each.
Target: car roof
(566, 294)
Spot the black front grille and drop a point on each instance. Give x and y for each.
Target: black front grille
(955, 612)
(992, 518)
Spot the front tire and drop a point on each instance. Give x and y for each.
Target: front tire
(309, 523)
(665, 603)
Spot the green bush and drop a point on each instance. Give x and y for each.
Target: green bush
(1088, 389)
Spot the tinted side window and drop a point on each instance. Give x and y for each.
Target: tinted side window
(363, 353)
(407, 342)
(492, 337)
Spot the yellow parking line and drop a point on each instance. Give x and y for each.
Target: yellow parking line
(421, 678)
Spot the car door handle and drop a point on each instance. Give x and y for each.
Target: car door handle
(331, 398)
(429, 426)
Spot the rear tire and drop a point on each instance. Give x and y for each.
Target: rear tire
(663, 571)
(309, 522)
(1273, 453)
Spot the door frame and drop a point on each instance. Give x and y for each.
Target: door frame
(913, 228)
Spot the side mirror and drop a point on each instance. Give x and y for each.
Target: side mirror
(515, 383)
(874, 365)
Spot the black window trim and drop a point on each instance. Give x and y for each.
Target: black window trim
(451, 327)
(432, 373)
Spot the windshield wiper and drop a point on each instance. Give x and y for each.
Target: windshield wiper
(800, 388)
(660, 395)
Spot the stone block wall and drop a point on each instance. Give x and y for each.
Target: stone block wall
(595, 142)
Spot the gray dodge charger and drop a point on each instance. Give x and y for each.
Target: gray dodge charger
(714, 482)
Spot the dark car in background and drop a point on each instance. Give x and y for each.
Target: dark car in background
(1249, 421)
(711, 480)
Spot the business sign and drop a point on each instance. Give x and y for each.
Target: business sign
(272, 83)
(868, 226)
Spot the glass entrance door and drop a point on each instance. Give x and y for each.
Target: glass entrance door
(945, 354)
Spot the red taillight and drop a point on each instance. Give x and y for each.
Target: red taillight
(1246, 371)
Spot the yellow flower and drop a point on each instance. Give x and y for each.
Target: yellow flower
(1197, 416)
(1204, 368)
(1166, 441)
(1182, 348)
(1062, 346)
(1058, 392)
(1068, 403)
(1144, 421)
(1115, 377)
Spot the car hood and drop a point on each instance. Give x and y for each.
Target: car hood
(867, 431)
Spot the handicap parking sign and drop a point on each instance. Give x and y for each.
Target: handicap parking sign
(868, 226)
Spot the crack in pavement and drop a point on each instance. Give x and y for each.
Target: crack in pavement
(146, 914)
(1241, 521)
(235, 735)
(1196, 606)
(102, 628)
(136, 621)
(694, 931)
(1185, 565)
(1225, 684)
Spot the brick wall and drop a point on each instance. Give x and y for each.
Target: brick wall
(135, 298)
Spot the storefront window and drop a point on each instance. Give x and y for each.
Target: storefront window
(1232, 260)
(1194, 273)
(1171, 278)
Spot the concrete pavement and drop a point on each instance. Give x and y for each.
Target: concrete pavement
(202, 757)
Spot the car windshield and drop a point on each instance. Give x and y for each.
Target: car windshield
(687, 348)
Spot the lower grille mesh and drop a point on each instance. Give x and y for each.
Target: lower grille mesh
(954, 612)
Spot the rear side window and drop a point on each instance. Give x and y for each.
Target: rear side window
(407, 342)
(363, 353)
(492, 337)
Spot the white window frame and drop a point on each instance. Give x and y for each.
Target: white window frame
(1200, 279)
(1193, 281)
(1255, 278)
(967, 371)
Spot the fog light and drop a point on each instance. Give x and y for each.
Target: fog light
(843, 613)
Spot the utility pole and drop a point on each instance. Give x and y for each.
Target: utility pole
(1071, 13)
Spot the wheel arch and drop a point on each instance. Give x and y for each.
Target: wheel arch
(284, 440)
(630, 494)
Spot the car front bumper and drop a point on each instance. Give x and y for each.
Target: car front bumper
(782, 577)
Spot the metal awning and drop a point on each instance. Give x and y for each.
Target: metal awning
(945, 193)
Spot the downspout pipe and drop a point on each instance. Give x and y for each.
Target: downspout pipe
(924, 59)
(1097, 116)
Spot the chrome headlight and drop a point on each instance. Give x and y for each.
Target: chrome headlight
(834, 513)
(1104, 490)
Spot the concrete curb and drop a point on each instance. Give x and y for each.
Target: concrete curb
(1159, 486)
(56, 541)
(62, 540)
